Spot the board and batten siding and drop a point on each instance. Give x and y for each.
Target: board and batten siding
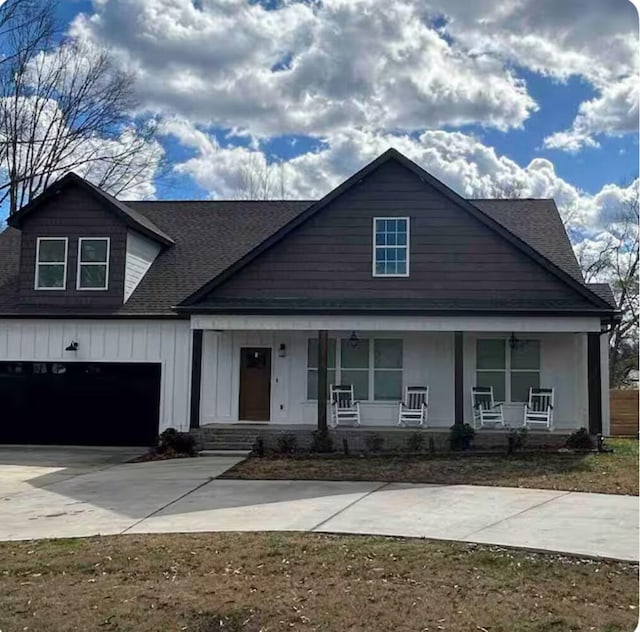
(141, 253)
(428, 360)
(165, 342)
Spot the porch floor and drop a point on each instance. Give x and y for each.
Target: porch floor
(243, 435)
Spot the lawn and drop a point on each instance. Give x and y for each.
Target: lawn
(615, 473)
(263, 582)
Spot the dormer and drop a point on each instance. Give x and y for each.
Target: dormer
(82, 248)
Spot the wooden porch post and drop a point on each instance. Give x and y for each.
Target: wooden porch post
(458, 382)
(196, 379)
(594, 383)
(323, 345)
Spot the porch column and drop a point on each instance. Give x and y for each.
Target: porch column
(323, 345)
(196, 378)
(458, 381)
(594, 383)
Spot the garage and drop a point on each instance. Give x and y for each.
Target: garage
(78, 403)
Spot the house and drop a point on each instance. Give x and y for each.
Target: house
(120, 319)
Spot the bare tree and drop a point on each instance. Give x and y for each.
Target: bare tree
(258, 180)
(64, 106)
(615, 258)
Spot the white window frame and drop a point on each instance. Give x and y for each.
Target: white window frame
(54, 263)
(507, 366)
(93, 263)
(371, 369)
(376, 247)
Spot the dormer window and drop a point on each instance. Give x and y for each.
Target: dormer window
(390, 246)
(93, 263)
(51, 263)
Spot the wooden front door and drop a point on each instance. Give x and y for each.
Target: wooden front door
(255, 384)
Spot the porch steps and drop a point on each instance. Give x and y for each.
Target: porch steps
(218, 439)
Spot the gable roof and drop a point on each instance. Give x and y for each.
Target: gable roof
(209, 237)
(393, 154)
(130, 216)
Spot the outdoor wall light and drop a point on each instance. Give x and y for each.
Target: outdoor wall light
(73, 346)
(514, 343)
(282, 350)
(353, 340)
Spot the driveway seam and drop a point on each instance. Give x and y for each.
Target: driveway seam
(351, 504)
(518, 513)
(171, 502)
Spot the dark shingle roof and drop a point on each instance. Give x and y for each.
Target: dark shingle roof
(604, 291)
(209, 236)
(537, 223)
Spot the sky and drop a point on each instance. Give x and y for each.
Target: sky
(540, 95)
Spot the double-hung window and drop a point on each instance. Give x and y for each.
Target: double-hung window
(51, 263)
(372, 366)
(511, 371)
(391, 246)
(93, 263)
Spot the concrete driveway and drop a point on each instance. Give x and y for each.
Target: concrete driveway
(96, 493)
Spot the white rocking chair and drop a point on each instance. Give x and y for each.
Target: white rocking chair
(538, 411)
(485, 411)
(413, 411)
(344, 409)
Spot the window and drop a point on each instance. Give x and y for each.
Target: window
(93, 263)
(387, 367)
(312, 366)
(374, 367)
(511, 372)
(354, 366)
(391, 246)
(51, 263)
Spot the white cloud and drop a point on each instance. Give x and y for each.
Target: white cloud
(595, 40)
(310, 68)
(460, 160)
(614, 112)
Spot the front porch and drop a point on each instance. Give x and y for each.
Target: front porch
(381, 357)
(243, 436)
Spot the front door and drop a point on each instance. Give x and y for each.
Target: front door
(255, 384)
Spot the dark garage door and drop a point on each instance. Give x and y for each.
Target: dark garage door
(78, 403)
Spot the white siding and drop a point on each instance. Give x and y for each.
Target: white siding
(141, 253)
(428, 359)
(397, 323)
(167, 342)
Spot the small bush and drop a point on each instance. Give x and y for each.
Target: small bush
(461, 436)
(179, 442)
(580, 440)
(322, 441)
(519, 438)
(415, 442)
(374, 442)
(287, 443)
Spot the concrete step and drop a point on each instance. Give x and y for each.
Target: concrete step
(224, 452)
(210, 445)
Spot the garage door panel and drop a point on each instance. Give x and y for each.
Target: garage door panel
(79, 403)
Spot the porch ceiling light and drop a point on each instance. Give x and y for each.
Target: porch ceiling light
(353, 340)
(514, 343)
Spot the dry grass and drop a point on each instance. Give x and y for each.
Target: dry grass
(253, 582)
(615, 473)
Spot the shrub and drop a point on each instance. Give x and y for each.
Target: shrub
(322, 441)
(287, 443)
(518, 437)
(374, 442)
(580, 440)
(179, 442)
(415, 442)
(461, 436)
